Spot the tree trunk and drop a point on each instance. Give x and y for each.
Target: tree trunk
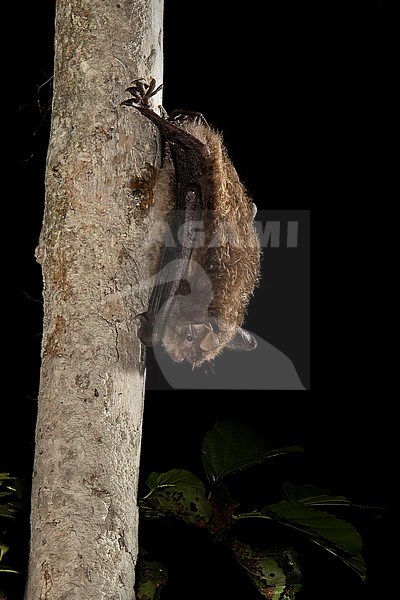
(99, 178)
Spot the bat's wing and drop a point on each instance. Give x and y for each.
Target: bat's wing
(189, 154)
(173, 268)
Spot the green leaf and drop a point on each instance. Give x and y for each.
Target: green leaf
(337, 536)
(8, 510)
(267, 570)
(177, 493)
(151, 577)
(152, 480)
(7, 481)
(3, 550)
(297, 449)
(10, 485)
(319, 523)
(4, 512)
(354, 561)
(4, 569)
(231, 446)
(313, 496)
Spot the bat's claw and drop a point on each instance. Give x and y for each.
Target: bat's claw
(141, 92)
(180, 116)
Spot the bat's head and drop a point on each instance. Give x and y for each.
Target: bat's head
(186, 332)
(201, 342)
(194, 342)
(190, 331)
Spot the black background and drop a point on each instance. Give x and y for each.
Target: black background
(297, 92)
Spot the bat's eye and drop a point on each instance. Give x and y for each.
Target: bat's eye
(189, 338)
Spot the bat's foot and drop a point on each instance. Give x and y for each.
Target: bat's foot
(141, 92)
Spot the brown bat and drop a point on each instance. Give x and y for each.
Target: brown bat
(205, 280)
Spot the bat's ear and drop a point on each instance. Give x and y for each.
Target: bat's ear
(242, 340)
(210, 340)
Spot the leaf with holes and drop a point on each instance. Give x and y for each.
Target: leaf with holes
(151, 577)
(177, 493)
(268, 571)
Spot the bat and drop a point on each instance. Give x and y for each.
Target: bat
(205, 280)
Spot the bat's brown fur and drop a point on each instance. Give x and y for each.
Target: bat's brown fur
(223, 271)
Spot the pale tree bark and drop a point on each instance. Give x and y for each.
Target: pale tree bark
(94, 257)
